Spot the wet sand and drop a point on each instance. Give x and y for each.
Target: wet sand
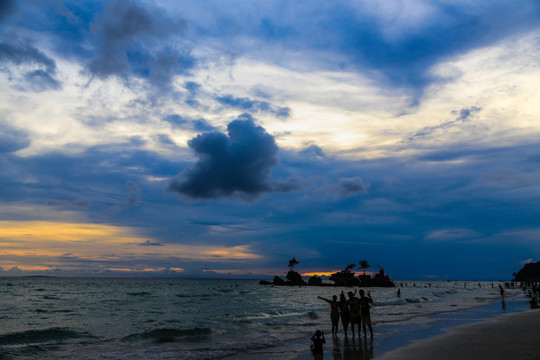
(512, 336)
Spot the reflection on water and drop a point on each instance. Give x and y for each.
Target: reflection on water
(351, 349)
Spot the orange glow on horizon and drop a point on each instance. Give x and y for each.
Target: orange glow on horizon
(33, 268)
(46, 245)
(177, 269)
(239, 252)
(318, 273)
(329, 273)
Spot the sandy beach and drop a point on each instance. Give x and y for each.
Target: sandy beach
(486, 332)
(512, 336)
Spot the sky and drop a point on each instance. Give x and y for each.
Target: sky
(222, 138)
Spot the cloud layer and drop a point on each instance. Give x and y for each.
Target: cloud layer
(238, 162)
(401, 132)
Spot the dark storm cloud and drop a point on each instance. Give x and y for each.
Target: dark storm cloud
(238, 162)
(12, 140)
(254, 106)
(23, 53)
(128, 33)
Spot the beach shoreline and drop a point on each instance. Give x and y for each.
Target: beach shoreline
(435, 327)
(509, 336)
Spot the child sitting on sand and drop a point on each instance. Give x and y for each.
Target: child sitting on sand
(318, 342)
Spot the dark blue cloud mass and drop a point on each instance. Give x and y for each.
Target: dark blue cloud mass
(12, 140)
(236, 163)
(125, 38)
(132, 40)
(396, 44)
(22, 52)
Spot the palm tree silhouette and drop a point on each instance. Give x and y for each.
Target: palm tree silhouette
(364, 265)
(349, 267)
(293, 262)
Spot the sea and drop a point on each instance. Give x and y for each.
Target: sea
(105, 318)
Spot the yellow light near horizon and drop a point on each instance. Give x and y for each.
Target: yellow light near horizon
(319, 273)
(33, 267)
(329, 273)
(42, 245)
(241, 252)
(61, 232)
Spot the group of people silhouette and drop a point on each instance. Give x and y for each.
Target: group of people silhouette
(353, 311)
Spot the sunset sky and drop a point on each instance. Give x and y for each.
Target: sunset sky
(222, 138)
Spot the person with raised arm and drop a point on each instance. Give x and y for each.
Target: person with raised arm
(365, 316)
(334, 313)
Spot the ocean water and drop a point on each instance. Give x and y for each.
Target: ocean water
(102, 318)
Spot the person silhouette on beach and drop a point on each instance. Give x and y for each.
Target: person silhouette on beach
(365, 316)
(318, 341)
(345, 313)
(501, 290)
(334, 313)
(354, 309)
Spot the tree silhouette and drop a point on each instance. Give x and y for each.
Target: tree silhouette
(364, 265)
(349, 267)
(293, 262)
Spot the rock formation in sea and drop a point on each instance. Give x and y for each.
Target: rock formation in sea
(344, 277)
(529, 273)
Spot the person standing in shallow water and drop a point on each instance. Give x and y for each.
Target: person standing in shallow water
(344, 312)
(365, 316)
(334, 313)
(354, 309)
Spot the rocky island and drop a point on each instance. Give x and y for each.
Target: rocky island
(345, 277)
